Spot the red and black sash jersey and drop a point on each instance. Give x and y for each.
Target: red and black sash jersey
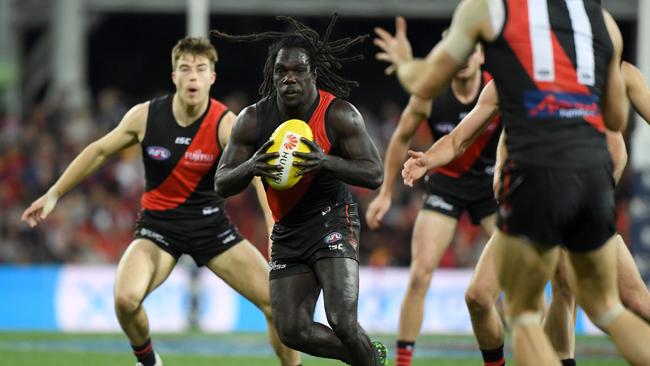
(313, 192)
(180, 162)
(479, 158)
(550, 65)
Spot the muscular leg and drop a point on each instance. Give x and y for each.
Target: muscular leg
(597, 293)
(244, 269)
(339, 278)
(523, 270)
(432, 234)
(293, 300)
(481, 297)
(143, 267)
(559, 323)
(633, 290)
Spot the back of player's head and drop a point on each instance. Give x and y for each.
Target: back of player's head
(194, 46)
(325, 56)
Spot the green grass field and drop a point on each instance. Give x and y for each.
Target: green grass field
(198, 349)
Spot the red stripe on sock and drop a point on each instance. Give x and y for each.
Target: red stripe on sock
(501, 362)
(144, 351)
(404, 357)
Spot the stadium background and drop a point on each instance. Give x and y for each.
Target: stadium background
(69, 69)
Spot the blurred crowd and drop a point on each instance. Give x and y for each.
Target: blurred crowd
(94, 222)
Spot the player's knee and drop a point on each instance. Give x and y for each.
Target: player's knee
(420, 279)
(343, 325)
(604, 315)
(596, 306)
(293, 335)
(127, 303)
(478, 300)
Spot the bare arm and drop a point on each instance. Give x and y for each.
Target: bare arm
(616, 146)
(428, 78)
(358, 162)
(636, 89)
(412, 116)
(225, 129)
(501, 156)
(240, 162)
(415, 112)
(614, 105)
(128, 132)
(449, 147)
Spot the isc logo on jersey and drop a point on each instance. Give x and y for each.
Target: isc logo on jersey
(286, 140)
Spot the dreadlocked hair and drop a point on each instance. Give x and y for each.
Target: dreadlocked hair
(325, 56)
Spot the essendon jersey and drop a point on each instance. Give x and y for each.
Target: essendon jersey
(478, 160)
(180, 162)
(550, 62)
(314, 192)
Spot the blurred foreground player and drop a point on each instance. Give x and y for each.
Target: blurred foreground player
(558, 187)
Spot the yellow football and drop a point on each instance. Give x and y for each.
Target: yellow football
(286, 140)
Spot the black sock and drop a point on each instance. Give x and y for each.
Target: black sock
(490, 356)
(144, 353)
(569, 362)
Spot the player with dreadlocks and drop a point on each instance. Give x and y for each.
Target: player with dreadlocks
(316, 233)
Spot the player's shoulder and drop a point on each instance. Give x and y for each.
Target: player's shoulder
(245, 127)
(343, 117)
(341, 108)
(136, 117)
(248, 114)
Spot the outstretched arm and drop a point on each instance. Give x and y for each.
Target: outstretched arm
(636, 89)
(240, 162)
(128, 132)
(428, 78)
(358, 162)
(449, 147)
(412, 116)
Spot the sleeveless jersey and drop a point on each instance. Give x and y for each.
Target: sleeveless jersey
(314, 192)
(180, 162)
(477, 162)
(550, 63)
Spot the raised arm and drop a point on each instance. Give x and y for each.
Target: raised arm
(128, 132)
(412, 116)
(614, 104)
(240, 162)
(357, 160)
(636, 89)
(428, 78)
(449, 147)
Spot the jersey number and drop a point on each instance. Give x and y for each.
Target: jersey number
(542, 45)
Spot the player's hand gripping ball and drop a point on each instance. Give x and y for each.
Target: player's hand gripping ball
(286, 140)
